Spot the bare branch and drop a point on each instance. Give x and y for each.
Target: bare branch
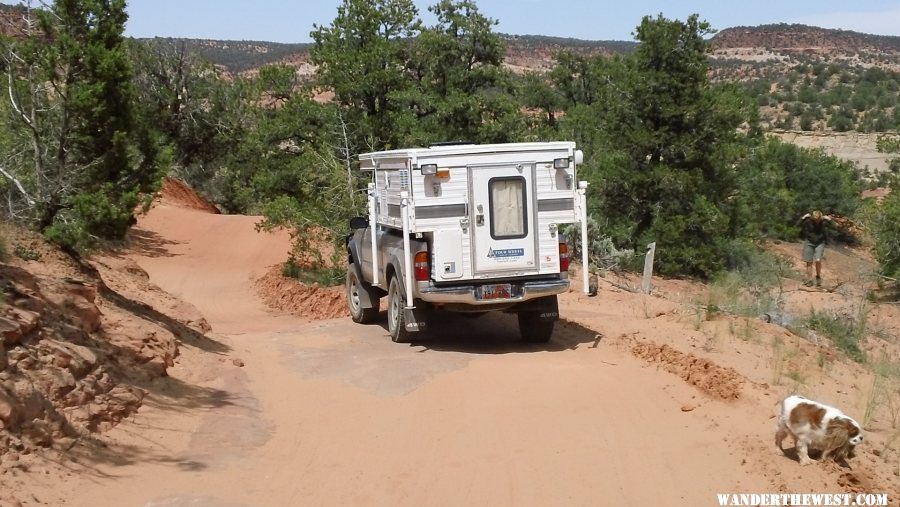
(345, 151)
(18, 185)
(15, 104)
(47, 7)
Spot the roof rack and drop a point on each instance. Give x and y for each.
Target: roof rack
(449, 143)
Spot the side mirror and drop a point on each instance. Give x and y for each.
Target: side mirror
(579, 157)
(359, 223)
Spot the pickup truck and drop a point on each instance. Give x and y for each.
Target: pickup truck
(464, 228)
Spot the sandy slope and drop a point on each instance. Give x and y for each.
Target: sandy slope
(330, 412)
(211, 260)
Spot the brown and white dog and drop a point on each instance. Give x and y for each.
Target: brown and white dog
(814, 424)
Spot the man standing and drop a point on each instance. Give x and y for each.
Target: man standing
(813, 233)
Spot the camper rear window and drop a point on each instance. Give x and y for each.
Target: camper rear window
(508, 208)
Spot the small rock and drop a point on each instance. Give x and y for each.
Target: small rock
(77, 397)
(876, 452)
(17, 353)
(55, 382)
(157, 366)
(76, 358)
(10, 331)
(127, 395)
(28, 320)
(81, 288)
(105, 382)
(62, 360)
(86, 313)
(687, 407)
(237, 362)
(64, 442)
(201, 324)
(8, 410)
(26, 363)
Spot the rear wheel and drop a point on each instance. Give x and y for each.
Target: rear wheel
(354, 287)
(534, 329)
(396, 316)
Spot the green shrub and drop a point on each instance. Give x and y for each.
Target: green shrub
(693, 242)
(752, 287)
(845, 332)
(602, 253)
(325, 276)
(93, 216)
(779, 182)
(291, 268)
(25, 253)
(886, 231)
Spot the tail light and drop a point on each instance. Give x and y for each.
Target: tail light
(420, 267)
(563, 257)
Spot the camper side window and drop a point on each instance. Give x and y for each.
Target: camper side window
(508, 208)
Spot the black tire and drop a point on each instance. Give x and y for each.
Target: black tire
(353, 287)
(396, 317)
(534, 329)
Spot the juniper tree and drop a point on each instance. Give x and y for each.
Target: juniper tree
(71, 98)
(361, 57)
(674, 136)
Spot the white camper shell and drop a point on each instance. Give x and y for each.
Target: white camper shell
(483, 213)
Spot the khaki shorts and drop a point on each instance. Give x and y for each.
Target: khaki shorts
(813, 252)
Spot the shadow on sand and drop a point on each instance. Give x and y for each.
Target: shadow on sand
(149, 244)
(184, 333)
(494, 333)
(814, 454)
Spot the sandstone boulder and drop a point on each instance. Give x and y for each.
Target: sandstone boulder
(85, 313)
(78, 359)
(8, 409)
(82, 289)
(16, 323)
(54, 381)
(10, 331)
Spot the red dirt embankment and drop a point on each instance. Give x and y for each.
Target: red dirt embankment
(308, 301)
(177, 193)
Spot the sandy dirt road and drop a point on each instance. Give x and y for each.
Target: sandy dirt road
(334, 413)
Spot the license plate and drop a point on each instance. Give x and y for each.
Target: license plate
(496, 291)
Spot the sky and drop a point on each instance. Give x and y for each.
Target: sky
(292, 20)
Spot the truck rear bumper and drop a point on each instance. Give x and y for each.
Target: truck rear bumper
(468, 294)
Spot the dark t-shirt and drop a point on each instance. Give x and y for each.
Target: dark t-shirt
(814, 233)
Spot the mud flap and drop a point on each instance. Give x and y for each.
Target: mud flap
(415, 318)
(367, 296)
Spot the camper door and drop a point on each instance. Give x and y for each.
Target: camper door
(502, 207)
